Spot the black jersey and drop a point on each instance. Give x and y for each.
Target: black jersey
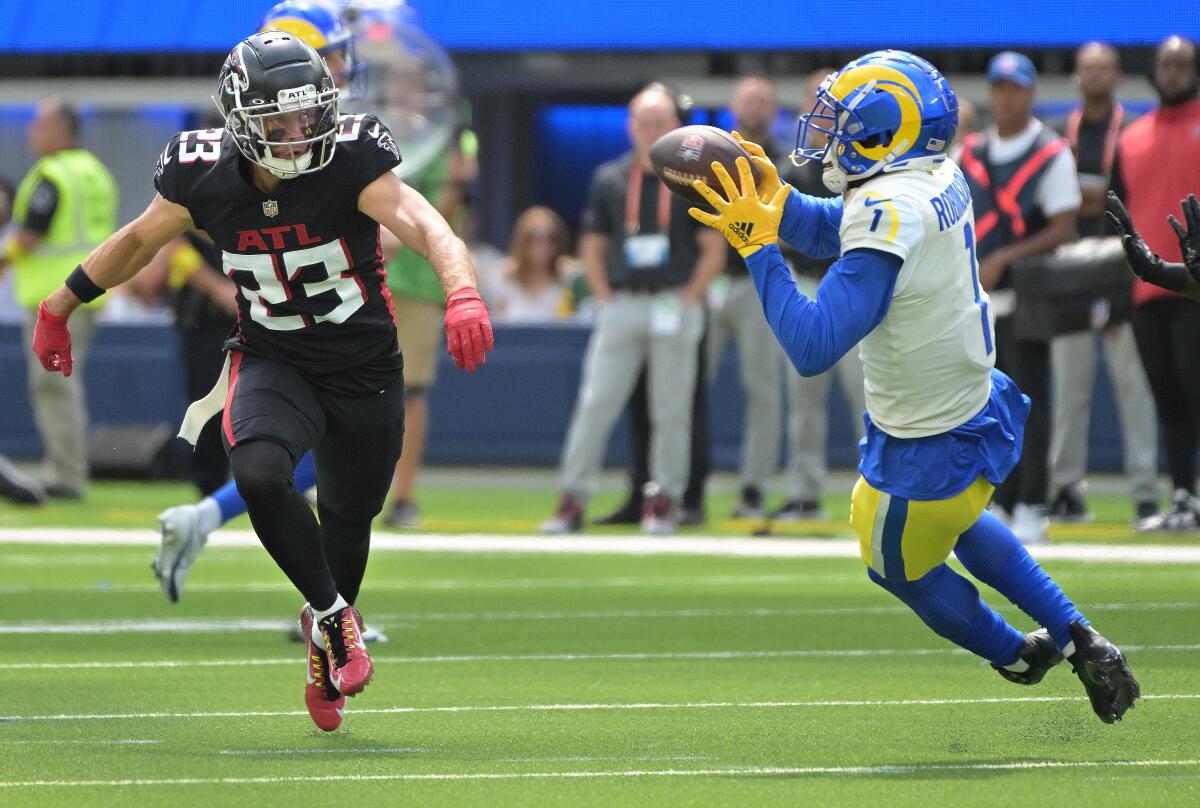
(306, 261)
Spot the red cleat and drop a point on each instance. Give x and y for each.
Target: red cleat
(324, 703)
(350, 665)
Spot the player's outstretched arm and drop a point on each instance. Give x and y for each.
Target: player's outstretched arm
(1189, 241)
(852, 299)
(416, 222)
(1142, 261)
(810, 224)
(115, 261)
(126, 251)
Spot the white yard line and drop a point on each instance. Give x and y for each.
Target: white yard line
(325, 751)
(522, 708)
(198, 625)
(606, 545)
(453, 584)
(731, 771)
(106, 742)
(846, 653)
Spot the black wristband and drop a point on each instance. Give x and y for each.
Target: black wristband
(82, 286)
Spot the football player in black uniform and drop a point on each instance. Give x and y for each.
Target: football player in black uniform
(293, 195)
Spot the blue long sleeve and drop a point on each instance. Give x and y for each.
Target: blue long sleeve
(810, 224)
(852, 299)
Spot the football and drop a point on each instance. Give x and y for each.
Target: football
(687, 153)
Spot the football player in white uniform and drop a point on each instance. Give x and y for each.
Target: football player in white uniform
(943, 427)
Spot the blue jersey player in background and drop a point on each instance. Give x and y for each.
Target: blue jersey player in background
(943, 427)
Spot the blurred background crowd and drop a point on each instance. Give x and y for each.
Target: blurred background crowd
(529, 126)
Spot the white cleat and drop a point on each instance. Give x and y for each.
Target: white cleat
(181, 540)
(1029, 524)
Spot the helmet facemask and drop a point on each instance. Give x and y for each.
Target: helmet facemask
(292, 134)
(839, 124)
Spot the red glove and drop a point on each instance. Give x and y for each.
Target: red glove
(52, 341)
(468, 328)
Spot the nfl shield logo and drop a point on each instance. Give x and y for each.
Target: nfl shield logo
(691, 147)
(270, 208)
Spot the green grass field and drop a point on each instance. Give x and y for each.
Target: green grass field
(530, 679)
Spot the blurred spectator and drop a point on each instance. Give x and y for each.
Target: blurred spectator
(487, 259)
(1092, 129)
(531, 289)
(1157, 164)
(15, 485)
(1025, 192)
(968, 123)
(737, 313)
(419, 302)
(691, 510)
(808, 398)
(204, 301)
(649, 265)
(9, 311)
(65, 206)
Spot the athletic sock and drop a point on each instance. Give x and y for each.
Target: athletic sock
(320, 614)
(229, 501)
(991, 553)
(950, 605)
(208, 512)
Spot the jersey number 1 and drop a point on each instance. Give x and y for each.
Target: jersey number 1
(277, 280)
(969, 233)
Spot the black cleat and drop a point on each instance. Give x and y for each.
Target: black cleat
(19, 487)
(1069, 507)
(629, 513)
(1104, 672)
(1039, 652)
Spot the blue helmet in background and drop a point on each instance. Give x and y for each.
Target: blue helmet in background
(882, 112)
(322, 27)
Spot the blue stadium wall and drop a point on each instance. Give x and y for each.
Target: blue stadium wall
(514, 411)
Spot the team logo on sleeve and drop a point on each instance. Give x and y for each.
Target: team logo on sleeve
(270, 208)
(163, 159)
(384, 139)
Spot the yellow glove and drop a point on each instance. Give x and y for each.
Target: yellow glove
(768, 186)
(746, 221)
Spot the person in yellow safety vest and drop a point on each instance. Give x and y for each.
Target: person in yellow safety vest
(65, 207)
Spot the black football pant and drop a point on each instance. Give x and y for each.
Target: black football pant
(1027, 363)
(1168, 339)
(200, 347)
(273, 416)
(639, 433)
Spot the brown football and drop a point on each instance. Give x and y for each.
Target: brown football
(687, 153)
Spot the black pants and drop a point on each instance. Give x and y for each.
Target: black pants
(639, 433)
(274, 415)
(200, 350)
(1168, 339)
(1028, 364)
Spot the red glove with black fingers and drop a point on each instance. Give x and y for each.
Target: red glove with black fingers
(468, 328)
(52, 341)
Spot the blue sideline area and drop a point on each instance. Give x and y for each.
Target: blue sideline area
(515, 411)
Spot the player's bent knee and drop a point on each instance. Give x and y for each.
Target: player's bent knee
(262, 470)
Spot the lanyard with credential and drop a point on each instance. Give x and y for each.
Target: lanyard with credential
(633, 204)
(1110, 139)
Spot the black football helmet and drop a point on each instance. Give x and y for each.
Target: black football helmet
(280, 104)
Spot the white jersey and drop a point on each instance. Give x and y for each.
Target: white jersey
(927, 365)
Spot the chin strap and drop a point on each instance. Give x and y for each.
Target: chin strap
(287, 168)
